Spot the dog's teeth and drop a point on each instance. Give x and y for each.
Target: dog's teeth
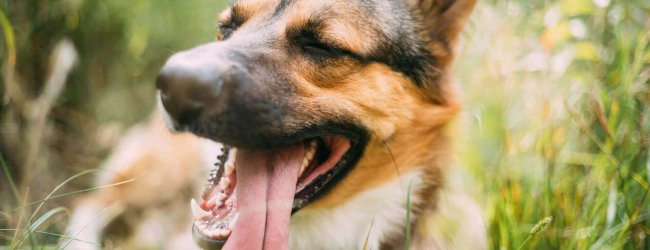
(309, 155)
(213, 201)
(197, 211)
(218, 200)
(233, 222)
(232, 156)
(229, 165)
(221, 197)
(311, 151)
(216, 233)
(305, 163)
(224, 183)
(230, 168)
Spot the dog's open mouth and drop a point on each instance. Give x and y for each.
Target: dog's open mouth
(250, 195)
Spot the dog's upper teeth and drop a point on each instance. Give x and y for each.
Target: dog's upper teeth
(197, 211)
(224, 183)
(305, 163)
(230, 168)
(309, 155)
(229, 165)
(311, 150)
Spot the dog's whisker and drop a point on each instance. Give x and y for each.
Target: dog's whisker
(392, 157)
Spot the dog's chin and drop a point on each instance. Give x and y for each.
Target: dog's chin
(273, 181)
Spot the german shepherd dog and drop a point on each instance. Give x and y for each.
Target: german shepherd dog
(332, 113)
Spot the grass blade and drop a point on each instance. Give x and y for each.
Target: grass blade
(365, 243)
(539, 227)
(10, 180)
(73, 193)
(57, 189)
(407, 242)
(57, 235)
(20, 220)
(8, 32)
(33, 226)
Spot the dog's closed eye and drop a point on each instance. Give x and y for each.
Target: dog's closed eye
(319, 49)
(316, 48)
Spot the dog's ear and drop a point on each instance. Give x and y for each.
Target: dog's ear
(442, 21)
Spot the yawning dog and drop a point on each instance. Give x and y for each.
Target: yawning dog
(332, 113)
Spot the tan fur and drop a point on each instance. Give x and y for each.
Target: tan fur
(254, 8)
(349, 34)
(413, 135)
(164, 171)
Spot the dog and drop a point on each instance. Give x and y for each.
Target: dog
(333, 115)
(368, 96)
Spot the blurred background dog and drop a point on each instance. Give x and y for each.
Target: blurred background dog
(160, 173)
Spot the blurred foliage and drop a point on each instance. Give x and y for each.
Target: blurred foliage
(559, 122)
(120, 44)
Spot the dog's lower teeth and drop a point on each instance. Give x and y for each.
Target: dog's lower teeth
(215, 201)
(218, 233)
(221, 197)
(197, 211)
(224, 233)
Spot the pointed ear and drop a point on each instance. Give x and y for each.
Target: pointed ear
(442, 21)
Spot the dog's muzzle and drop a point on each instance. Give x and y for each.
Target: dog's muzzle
(195, 83)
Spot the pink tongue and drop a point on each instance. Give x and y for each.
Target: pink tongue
(266, 184)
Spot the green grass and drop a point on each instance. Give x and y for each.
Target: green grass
(27, 233)
(557, 123)
(121, 45)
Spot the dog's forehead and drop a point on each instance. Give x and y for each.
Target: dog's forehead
(377, 13)
(383, 8)
(355, 23)
(388, 32)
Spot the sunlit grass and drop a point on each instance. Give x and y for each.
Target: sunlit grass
(557, 122)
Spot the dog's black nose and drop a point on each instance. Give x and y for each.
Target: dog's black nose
(186, 89)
